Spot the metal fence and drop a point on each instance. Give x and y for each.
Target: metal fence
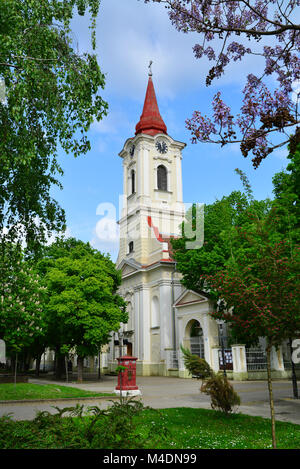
(197, 346)
(256, 359)
(172, 359)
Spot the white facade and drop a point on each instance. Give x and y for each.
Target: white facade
(160, 319)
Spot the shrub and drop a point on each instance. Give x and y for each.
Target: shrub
(197, 366)
(91, 428)
(114, 428)
(223, 396)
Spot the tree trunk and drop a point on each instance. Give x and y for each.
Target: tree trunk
(294, 377)
(38, 365)
(16, 365)
(60, 364)
(99, 365)
(66, 367)
(22, 362)
(79, 369)
(271, 399)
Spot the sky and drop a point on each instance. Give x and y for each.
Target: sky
(129, 35)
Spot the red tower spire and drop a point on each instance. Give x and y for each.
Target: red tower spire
(150, 122)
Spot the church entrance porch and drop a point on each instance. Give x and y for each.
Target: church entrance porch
(196, 330)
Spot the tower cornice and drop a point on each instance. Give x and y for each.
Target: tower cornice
(150, 139)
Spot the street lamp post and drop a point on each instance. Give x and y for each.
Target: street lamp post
(99, 361)
(120, 338)
(294, 377)
(222, 348)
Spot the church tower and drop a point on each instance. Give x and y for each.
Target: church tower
(152, 213)
(152, 202)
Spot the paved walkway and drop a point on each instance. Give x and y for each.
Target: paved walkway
(161, 392)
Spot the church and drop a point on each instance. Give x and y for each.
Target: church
(162, 314)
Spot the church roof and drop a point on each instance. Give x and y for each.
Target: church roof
(150, 122)
(188, 297)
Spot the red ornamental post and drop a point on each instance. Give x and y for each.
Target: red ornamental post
(127, 378)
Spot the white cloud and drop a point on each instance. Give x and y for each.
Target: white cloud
(63, 234)
(296, 91)
(130, 33)
(105, 248)
(107, 230)
(281, 153)
(106, 237)
(115, 121)
(20, 231)
(106, 233)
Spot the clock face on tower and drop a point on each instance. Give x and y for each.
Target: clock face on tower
(161, 146)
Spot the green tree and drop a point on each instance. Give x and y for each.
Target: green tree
(220, 221)
(287, 204)
(258, 291)
(22, 317)
(83, 307)
(257, 288)
(287, 197)
(49, 98)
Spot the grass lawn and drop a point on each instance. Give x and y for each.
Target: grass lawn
(9, 391)
(189, 429)
(209, 429)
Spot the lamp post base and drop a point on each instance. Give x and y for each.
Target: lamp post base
(129, 393)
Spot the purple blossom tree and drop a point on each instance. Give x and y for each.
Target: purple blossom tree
(268, 116)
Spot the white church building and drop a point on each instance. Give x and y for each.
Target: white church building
(162, 315)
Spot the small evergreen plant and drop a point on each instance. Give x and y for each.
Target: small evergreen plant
(197, 366)
(223, 396)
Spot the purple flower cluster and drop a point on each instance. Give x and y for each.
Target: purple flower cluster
(264, 111)
(200, 127)
(237, 51)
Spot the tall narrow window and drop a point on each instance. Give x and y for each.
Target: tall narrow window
(132, 181)
(130, 247)
(162, 182)
(154, 312)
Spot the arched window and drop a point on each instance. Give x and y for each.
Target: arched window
(162, 180)
(132, 181)
(130, 319)
(154, 312)
(130, 247)
(194, 338)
